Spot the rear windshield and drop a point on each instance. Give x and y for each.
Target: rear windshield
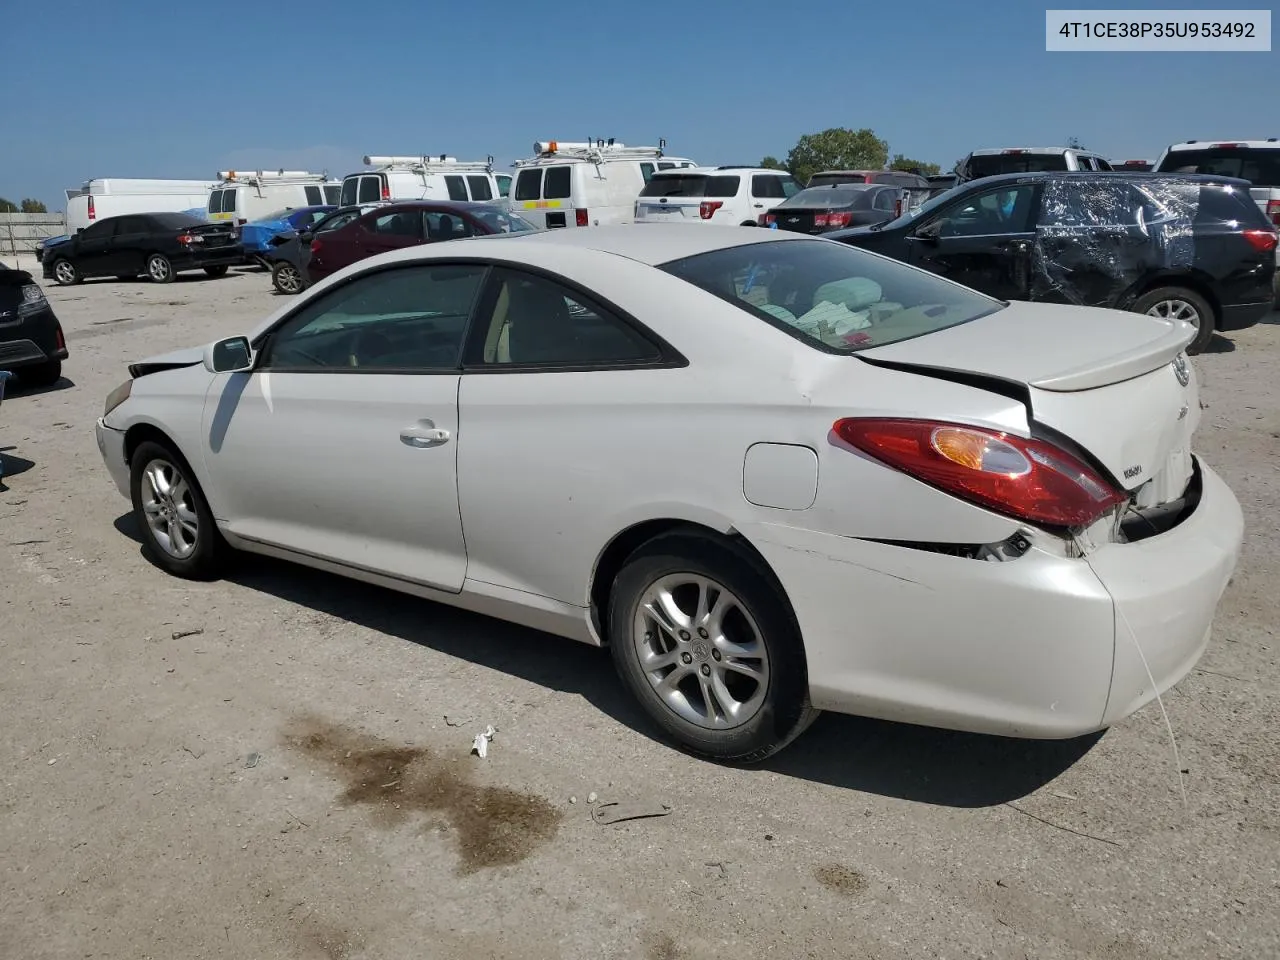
(826, 179)
(990, 165)
(1259, 167)
(691, 185)
(222, 201)
(844, 195)
(832, 296)
(501, 220)
(174, 221)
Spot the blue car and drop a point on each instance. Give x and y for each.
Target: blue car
(256, 236)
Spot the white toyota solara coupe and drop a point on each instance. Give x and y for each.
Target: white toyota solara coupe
(774, 473)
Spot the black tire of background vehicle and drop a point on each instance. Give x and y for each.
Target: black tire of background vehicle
(166, 275)
(1207, 320)
(40, 374)
(287, 278)
(216, 272)
(68, 269)
(786, 712)
(210, 551)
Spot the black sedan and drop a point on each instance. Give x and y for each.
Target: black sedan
(161, 245)
(834, 206)
(31, 341)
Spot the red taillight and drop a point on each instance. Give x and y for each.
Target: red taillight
(765, 219)
(1262, 240)
(819, 219)
(61, 342)
(1273, 211)
(93, 214)
(315, 247)
(582, 218)
(187, 239)
(1224, 146)
(839, 219)
(1014, 153)
(1027, 479)
(707, 208)
(386, 189)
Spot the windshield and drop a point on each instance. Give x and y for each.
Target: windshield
(1259, 167)
(844, 195)
(691, 185)
(933, 203)
(990, 165)
(833, 297)
(501, 220)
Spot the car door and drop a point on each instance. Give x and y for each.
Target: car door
(92, 255)
(984, 241)
(529, 471)
(127, 253)
(340, 443)
(385, 230)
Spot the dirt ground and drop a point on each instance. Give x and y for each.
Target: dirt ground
(276, 765)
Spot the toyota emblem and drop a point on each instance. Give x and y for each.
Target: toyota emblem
(1181, 369)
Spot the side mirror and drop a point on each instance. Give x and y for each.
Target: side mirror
(930, 232)
(227, 356)
(305, 236)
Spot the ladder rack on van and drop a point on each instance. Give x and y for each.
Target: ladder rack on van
(259, 177)
(593, 151)
(429, 164)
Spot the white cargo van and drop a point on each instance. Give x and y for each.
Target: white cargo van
(421, 178)
(111, 197)
(992, 162)
(585, 184)
(241, 196)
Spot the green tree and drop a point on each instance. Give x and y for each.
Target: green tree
(899, 162)
(772, 163)
(838, 148)
(7, 206)
(33, 206)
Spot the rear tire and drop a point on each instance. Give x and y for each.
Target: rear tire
(748, 223)
(66, 273)
(177, 526)
(748, 658)
(1184, 304)
(287, 278)
(216, 272)
(41, 374)
(159, 269)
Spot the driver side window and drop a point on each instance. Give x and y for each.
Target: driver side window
(995, 212)
(404, 320)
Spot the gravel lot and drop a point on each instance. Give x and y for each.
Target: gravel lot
(207, 770)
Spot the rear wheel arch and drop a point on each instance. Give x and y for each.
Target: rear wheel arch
(1198, 285)
(621, 548)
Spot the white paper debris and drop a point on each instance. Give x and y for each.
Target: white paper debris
(480, 746)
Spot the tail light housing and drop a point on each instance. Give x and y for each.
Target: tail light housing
(1026, 479)
(1263, 241)
(708, 208)
(832, 219)
(93, 213)
(61, 341)
(766, 219)
(188, 239)
(315, 247)
(386, 188)
(582, 217)
(1273, 211)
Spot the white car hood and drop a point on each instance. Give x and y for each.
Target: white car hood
(1106, 379)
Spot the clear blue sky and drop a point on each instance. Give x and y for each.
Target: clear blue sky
(174, 89)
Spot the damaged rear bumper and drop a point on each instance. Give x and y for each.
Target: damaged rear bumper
(1041, 646)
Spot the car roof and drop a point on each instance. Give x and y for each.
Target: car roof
(991, 151)
(395, 205)
(1271, 143)
(730, 171)
(1134, 176)
(652, 243)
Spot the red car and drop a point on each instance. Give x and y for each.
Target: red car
(394, 226)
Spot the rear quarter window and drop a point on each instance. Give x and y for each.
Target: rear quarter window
(457, 188)
(480, 189)
(722, 186)
(315, 196)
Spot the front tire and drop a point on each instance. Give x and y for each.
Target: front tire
(287, 278)
(178, 530)
(1180, 303)
(216, 272)
(159, 269)
(706, 643)
(66, 273)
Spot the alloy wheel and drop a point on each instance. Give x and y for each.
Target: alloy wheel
(169, 509)
(1175, 310)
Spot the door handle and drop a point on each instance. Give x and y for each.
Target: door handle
(424, 433)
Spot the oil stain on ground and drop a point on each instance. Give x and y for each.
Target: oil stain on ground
(840, 879)
(495, 826)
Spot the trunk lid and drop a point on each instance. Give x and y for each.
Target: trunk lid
(1115, 383)
(214, 234)
(667, 208)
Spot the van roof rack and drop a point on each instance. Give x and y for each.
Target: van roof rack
(596, 150)
(264, 176)
(427, 162)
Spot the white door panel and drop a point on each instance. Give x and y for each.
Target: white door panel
(356, 467)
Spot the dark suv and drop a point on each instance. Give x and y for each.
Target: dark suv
(1192, 247)
(31, 341)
